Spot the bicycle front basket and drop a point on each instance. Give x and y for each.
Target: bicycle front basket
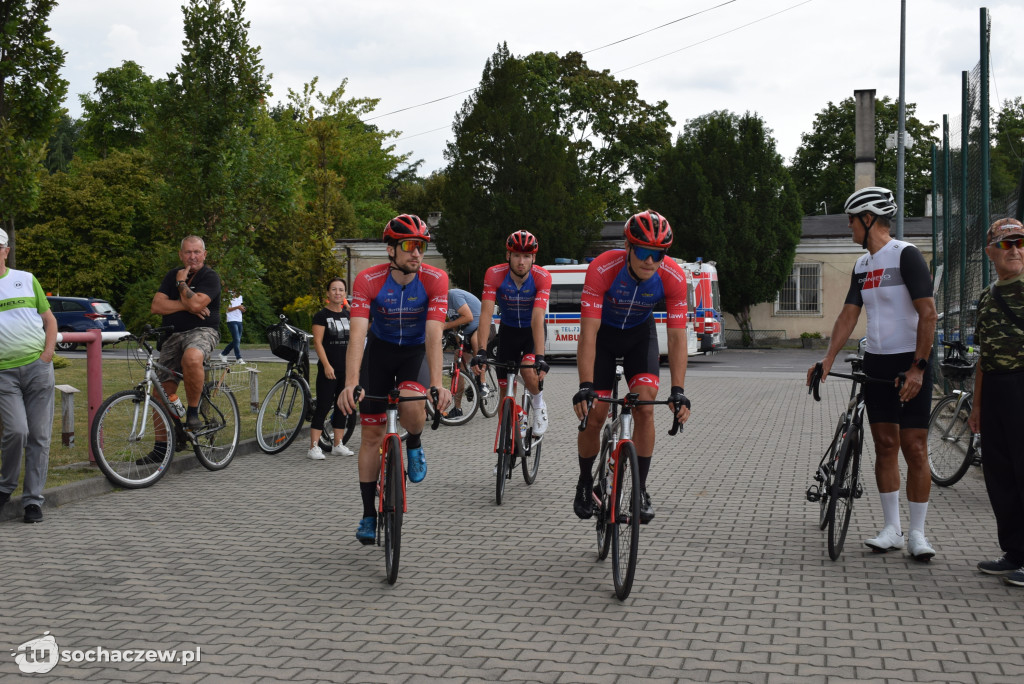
(285, 343)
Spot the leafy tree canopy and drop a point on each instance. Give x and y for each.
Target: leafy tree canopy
(123, 105)
(1008, 148)
(731, 200)
(823, 166)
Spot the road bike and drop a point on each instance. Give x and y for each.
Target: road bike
(952, 447)
(617, 487)
(837, 479)
(391, 501)
(514, 438)
(289, 403)
(461, 381)
(128, 424)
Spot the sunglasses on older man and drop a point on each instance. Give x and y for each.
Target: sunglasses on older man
(1007, 244)
(645, 253)
(412, 245)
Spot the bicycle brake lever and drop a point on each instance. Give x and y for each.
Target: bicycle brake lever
(437, 409)
(815, 381)
(583, 423)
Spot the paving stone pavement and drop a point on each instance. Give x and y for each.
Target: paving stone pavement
(258, 567)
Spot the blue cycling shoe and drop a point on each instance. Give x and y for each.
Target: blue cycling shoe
(367, 531)
(417, 469)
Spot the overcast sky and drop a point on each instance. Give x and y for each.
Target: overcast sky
(783, 59)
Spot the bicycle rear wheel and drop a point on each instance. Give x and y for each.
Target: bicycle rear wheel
(828, 475)
(392, 508)
(489, 403)
(216, 442)
(281, 414)
(949, 441)
(123, 437)
(505, 447)
(470, 396)
(844, 491)
(602, 481)
(531, 447)
(626, 531)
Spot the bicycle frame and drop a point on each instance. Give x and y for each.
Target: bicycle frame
(391, 432)
(511, 386)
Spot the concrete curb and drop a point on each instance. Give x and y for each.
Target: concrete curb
(99, 485)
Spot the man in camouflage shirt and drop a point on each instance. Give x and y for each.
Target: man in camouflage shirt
(999, 395)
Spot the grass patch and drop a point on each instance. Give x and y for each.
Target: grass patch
(121, 372)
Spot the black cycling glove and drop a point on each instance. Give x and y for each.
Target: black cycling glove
(540, 365)
(586, 392)
(480, 359)
(678, 397)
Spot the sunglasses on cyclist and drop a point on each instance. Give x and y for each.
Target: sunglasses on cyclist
(645, 253)
(1007, 244)
(412, 246)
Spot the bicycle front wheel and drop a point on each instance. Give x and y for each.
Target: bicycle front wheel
(392, 508)
(626, 531)
(123, 437)
(216, 442)
(828, 475)
(281, 414)
(467, 393)
(949, 441)
(506, 424)
(844, 491)
(603, 480)
(489, 403)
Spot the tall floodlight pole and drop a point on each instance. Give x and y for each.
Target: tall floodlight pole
(902, 131)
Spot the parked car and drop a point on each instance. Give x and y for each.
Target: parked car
(78, 314)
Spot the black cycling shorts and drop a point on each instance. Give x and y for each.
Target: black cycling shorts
(638, 349)
(386, 366)
(514, 343)
(883, 401)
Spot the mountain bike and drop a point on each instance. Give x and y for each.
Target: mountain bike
(514, 438)
(838, 477)
(289, 403)
(127, 424)
(952, 447)
(391, 501)
(617, 485)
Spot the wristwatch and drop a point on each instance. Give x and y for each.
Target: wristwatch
(921, 364)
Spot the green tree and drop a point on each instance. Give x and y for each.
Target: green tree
(31, 92)
(116, 118)
(731, 200)
(61, 148)
(1007, 157)
(823, 166)
(214, 142)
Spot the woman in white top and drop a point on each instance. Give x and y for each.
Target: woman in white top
(235, 327)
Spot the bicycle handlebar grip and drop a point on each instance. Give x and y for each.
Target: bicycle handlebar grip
(676, 427)
(356, 392)
(816, 380)
(583, 423)
(437, 409)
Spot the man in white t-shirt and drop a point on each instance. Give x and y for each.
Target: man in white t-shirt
(234, 318)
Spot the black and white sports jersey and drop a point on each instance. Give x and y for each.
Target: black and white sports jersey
(886, 284)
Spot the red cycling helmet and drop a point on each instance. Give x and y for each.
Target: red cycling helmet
(522, 241)
(405, 227)
(649, 229)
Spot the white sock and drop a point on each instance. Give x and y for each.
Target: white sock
(891, 508)
(918, 512)
(537, 400)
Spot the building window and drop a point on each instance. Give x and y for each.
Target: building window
(801, 295)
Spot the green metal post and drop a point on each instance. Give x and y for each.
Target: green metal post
(965, 137)
(986, 186)
(947, 207)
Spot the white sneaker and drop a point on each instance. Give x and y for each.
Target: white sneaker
(540, 421)
(887, 540)
(341, 450)
(918, 546)
(240, 362)
(315, 454)
(222, 358)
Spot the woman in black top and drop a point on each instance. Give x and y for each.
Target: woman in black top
(330, 340)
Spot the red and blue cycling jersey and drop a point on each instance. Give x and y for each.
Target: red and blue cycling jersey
(397, 313)
(517, 303)
(619, 300)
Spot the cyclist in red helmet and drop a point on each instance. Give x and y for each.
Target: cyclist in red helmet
(522, 290)
(398, 310)
(620, 290)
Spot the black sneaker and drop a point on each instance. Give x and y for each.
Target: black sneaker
(33, 513)
(999, 566)
(4, 498)
(194, 423)
(646, 508)
(455, 413)
(583, 504)
(152, 458)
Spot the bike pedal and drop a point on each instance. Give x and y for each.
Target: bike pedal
(859, 492)
(813, 494)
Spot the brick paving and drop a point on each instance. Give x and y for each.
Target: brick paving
(258, 566)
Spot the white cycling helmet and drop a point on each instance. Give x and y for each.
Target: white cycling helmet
(874, 200)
